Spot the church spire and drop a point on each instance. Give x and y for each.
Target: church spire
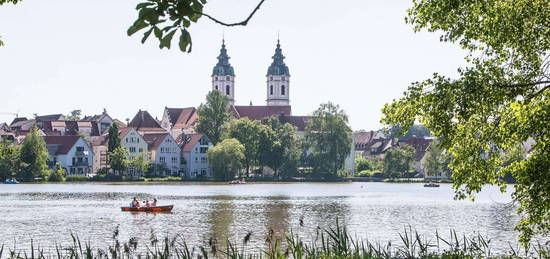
(278, 66)
(223, 76)
(223, 67)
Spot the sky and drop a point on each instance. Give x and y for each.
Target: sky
(62, 55)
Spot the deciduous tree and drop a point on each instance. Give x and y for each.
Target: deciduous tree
(114, 139)
(34, 155)
(247, 132)
(398, 161)
(329, 137)
(500, 99)
(213, 116)
(225, 158)
(118, 159)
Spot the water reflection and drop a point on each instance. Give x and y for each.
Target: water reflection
(277, 217)
(221, 217)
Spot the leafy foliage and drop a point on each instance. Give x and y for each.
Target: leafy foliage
(435, 162)
(416, 130)
(74, 115)
(57, 174)
(34, 156)
(282, 150)
(249, 133)
(329, 138)
(373, 165)
(10, 162)
(499, 100)
(213, 116)
(398, 161)
(225, 158)
(118, 159)
(139, 162)
(114, 139)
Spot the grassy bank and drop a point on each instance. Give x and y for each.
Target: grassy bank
(334, 242)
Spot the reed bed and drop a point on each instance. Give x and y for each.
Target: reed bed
(333, 242)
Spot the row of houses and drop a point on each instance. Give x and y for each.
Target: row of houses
(374, 144)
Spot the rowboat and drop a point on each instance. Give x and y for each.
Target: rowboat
(167, 208)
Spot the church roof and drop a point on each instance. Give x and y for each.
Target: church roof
(259, 112)
(223, 68)
(278, 66)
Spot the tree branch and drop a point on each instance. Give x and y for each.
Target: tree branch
(526, 84)
(243, 23)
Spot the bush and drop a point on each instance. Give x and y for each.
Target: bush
(77, 178)
(57, 174)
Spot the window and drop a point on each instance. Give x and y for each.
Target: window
(203, 160)
(126, 140)
(196, 159)
(174, 160)
(204, 150)
(216, 87)
(132, 150)
(140, 150)
(227, 89)
(216, 79)
(282, 90)
(271, 89)
(283, 78)
(203, 141)
(137, 140)
(271, 79)
(162, 159)
(81, 149)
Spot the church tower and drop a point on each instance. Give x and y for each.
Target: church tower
(278, 80)
(223, 76)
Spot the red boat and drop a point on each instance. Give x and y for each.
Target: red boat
(167, 208)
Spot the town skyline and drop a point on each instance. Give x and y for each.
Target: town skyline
(361, 74)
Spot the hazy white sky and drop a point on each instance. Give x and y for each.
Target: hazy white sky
(62, 55)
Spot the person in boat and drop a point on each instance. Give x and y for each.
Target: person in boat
(154, 204)
(147, 204)
(135, 203)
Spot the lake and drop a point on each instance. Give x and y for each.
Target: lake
(48, 213)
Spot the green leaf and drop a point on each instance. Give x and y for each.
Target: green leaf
(138, 25)
(142, 5)
(185, 40)
(167, 40)
(146, 35)
(158, 32)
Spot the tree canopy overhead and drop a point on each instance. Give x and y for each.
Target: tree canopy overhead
(499, 100)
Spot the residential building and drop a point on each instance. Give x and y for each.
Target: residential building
(194, 156)
(132, 141)
(164, 152)
(86, 128)
(144, 123)
(103, 120)
(72, 152)
(100, 148)
(179, 121)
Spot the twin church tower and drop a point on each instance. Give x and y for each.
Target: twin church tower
(277, 78)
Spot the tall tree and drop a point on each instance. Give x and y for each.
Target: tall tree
(114, 138)
(283, 152)
(139, 162)
(247, 132)
(118, 160)
(74, 115)
(225, 158)
(34, 155)
(213, 116)
(500, 99)
(434, 161)
(10, 162)
(398, 161)
(329, 137)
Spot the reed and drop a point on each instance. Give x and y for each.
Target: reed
(333, 242)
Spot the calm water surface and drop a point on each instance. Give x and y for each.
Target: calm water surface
(48, 213)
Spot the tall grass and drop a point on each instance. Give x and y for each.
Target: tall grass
(333, 242)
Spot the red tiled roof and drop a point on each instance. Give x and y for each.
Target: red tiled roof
(102, 140)
(72, 127)
(155, 139)
(122, 132)
(63, 143)
(190, 141)
(300, 122)
(143, 120)
(182, 118)
(18, 119)
(259, 112)
(363, 138)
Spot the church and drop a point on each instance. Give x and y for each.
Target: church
(277, 90)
